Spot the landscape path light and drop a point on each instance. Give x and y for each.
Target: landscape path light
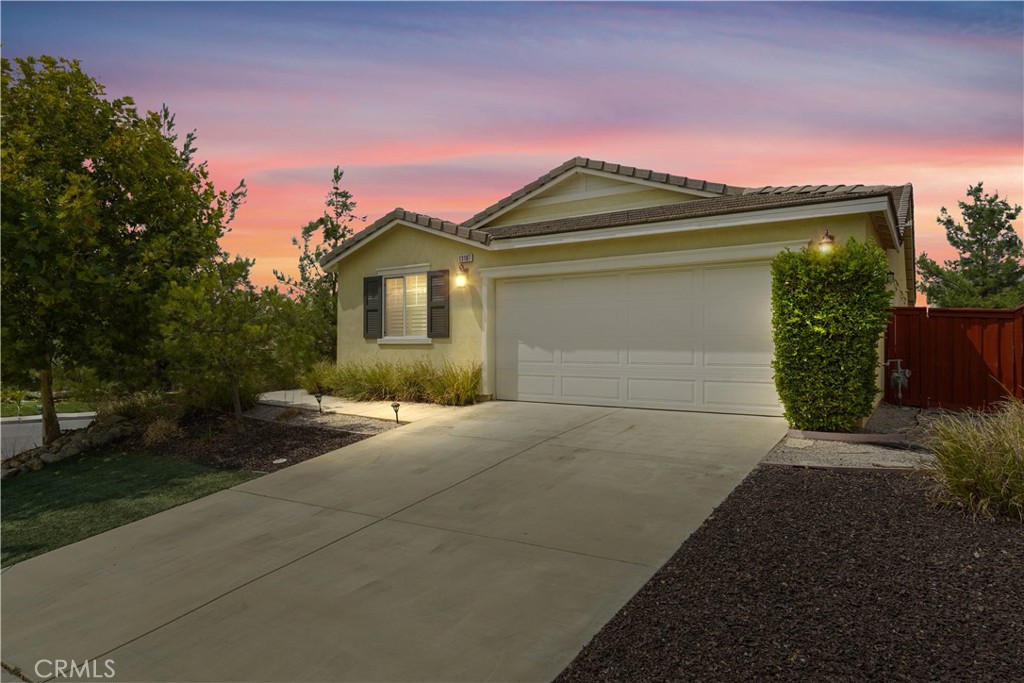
(395, 406)
(319, 396)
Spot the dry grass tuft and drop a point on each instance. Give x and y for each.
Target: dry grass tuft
(979, 462)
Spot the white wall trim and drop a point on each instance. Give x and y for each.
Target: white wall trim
(388, 341)
(746, 252)
(404, 270)
(704, 223)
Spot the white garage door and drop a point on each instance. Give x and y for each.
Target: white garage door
(695, 338)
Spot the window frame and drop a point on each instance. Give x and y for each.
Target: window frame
(403, 338)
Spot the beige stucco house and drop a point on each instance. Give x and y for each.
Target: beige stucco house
(603, 284)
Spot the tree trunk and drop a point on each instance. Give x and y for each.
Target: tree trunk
(51, 426)
(239, 423)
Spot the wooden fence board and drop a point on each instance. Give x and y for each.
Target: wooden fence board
(958, 358)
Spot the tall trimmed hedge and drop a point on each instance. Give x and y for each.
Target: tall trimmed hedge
(829, 311)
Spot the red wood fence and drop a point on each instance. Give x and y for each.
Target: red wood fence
(958, 357)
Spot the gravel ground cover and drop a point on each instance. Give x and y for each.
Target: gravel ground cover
(822, 575)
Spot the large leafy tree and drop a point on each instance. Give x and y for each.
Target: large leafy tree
(224, 339)
(316, 289)
(989, 273)
(101, 210)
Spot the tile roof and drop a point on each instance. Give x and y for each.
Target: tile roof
(730, 199)
(752, 199)
(401, 214)
(606, 167)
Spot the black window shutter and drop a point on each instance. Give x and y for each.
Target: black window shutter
(438, 304)
(373, 307)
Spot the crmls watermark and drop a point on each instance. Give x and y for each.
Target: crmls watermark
(69, 668)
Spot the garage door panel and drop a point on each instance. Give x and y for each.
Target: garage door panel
(535, 385)
(739, 278)
(696, 338)
(665, 351)
(738, 393)
(584, 322)
(743, 316)
(582, 387)
(584, 288)
(674, 318)
(529, 291)
(746, 352)
(659, 283)
(668, 391)
(534, 354)
(605, 356)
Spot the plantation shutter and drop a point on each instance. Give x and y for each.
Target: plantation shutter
(438, 304)
(373, 309)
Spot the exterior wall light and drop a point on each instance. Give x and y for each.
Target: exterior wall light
(462, 276)
(826, 243)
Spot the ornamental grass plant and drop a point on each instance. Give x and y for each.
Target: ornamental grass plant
(979, 460)
(452, 384)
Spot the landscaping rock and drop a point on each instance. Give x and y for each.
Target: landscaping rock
(818, 575)
(69, 444)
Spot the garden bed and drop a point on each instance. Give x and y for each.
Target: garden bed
(810, 575)
(277, 438)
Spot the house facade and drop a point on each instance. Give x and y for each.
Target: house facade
(603, 284)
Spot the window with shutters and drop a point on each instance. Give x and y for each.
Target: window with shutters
(405, 306)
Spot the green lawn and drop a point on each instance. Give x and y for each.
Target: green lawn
(32, 408)
(91, 493)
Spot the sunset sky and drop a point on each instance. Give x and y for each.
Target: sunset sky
(445, 108)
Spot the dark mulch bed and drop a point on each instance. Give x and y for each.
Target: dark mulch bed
(216, 443)
(816, 575)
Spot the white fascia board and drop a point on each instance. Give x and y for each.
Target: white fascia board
(745, 252)
(398, 221)
(840, 208)
(590, 171)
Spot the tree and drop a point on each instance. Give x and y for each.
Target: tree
(101, 210)
(315, 289)
(224, 339)
(989, 272)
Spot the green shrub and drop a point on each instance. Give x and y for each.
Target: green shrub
(979, 460)
(381, 380)
(829, 311)
(322, 376)
(146, 406)
(213, 394)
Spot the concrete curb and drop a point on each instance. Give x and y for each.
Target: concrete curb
(842, 468)
(884, 439)
(39, 418)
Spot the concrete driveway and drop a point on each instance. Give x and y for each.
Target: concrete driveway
(488, 544)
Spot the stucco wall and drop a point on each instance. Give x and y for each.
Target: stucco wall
(404, 246)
